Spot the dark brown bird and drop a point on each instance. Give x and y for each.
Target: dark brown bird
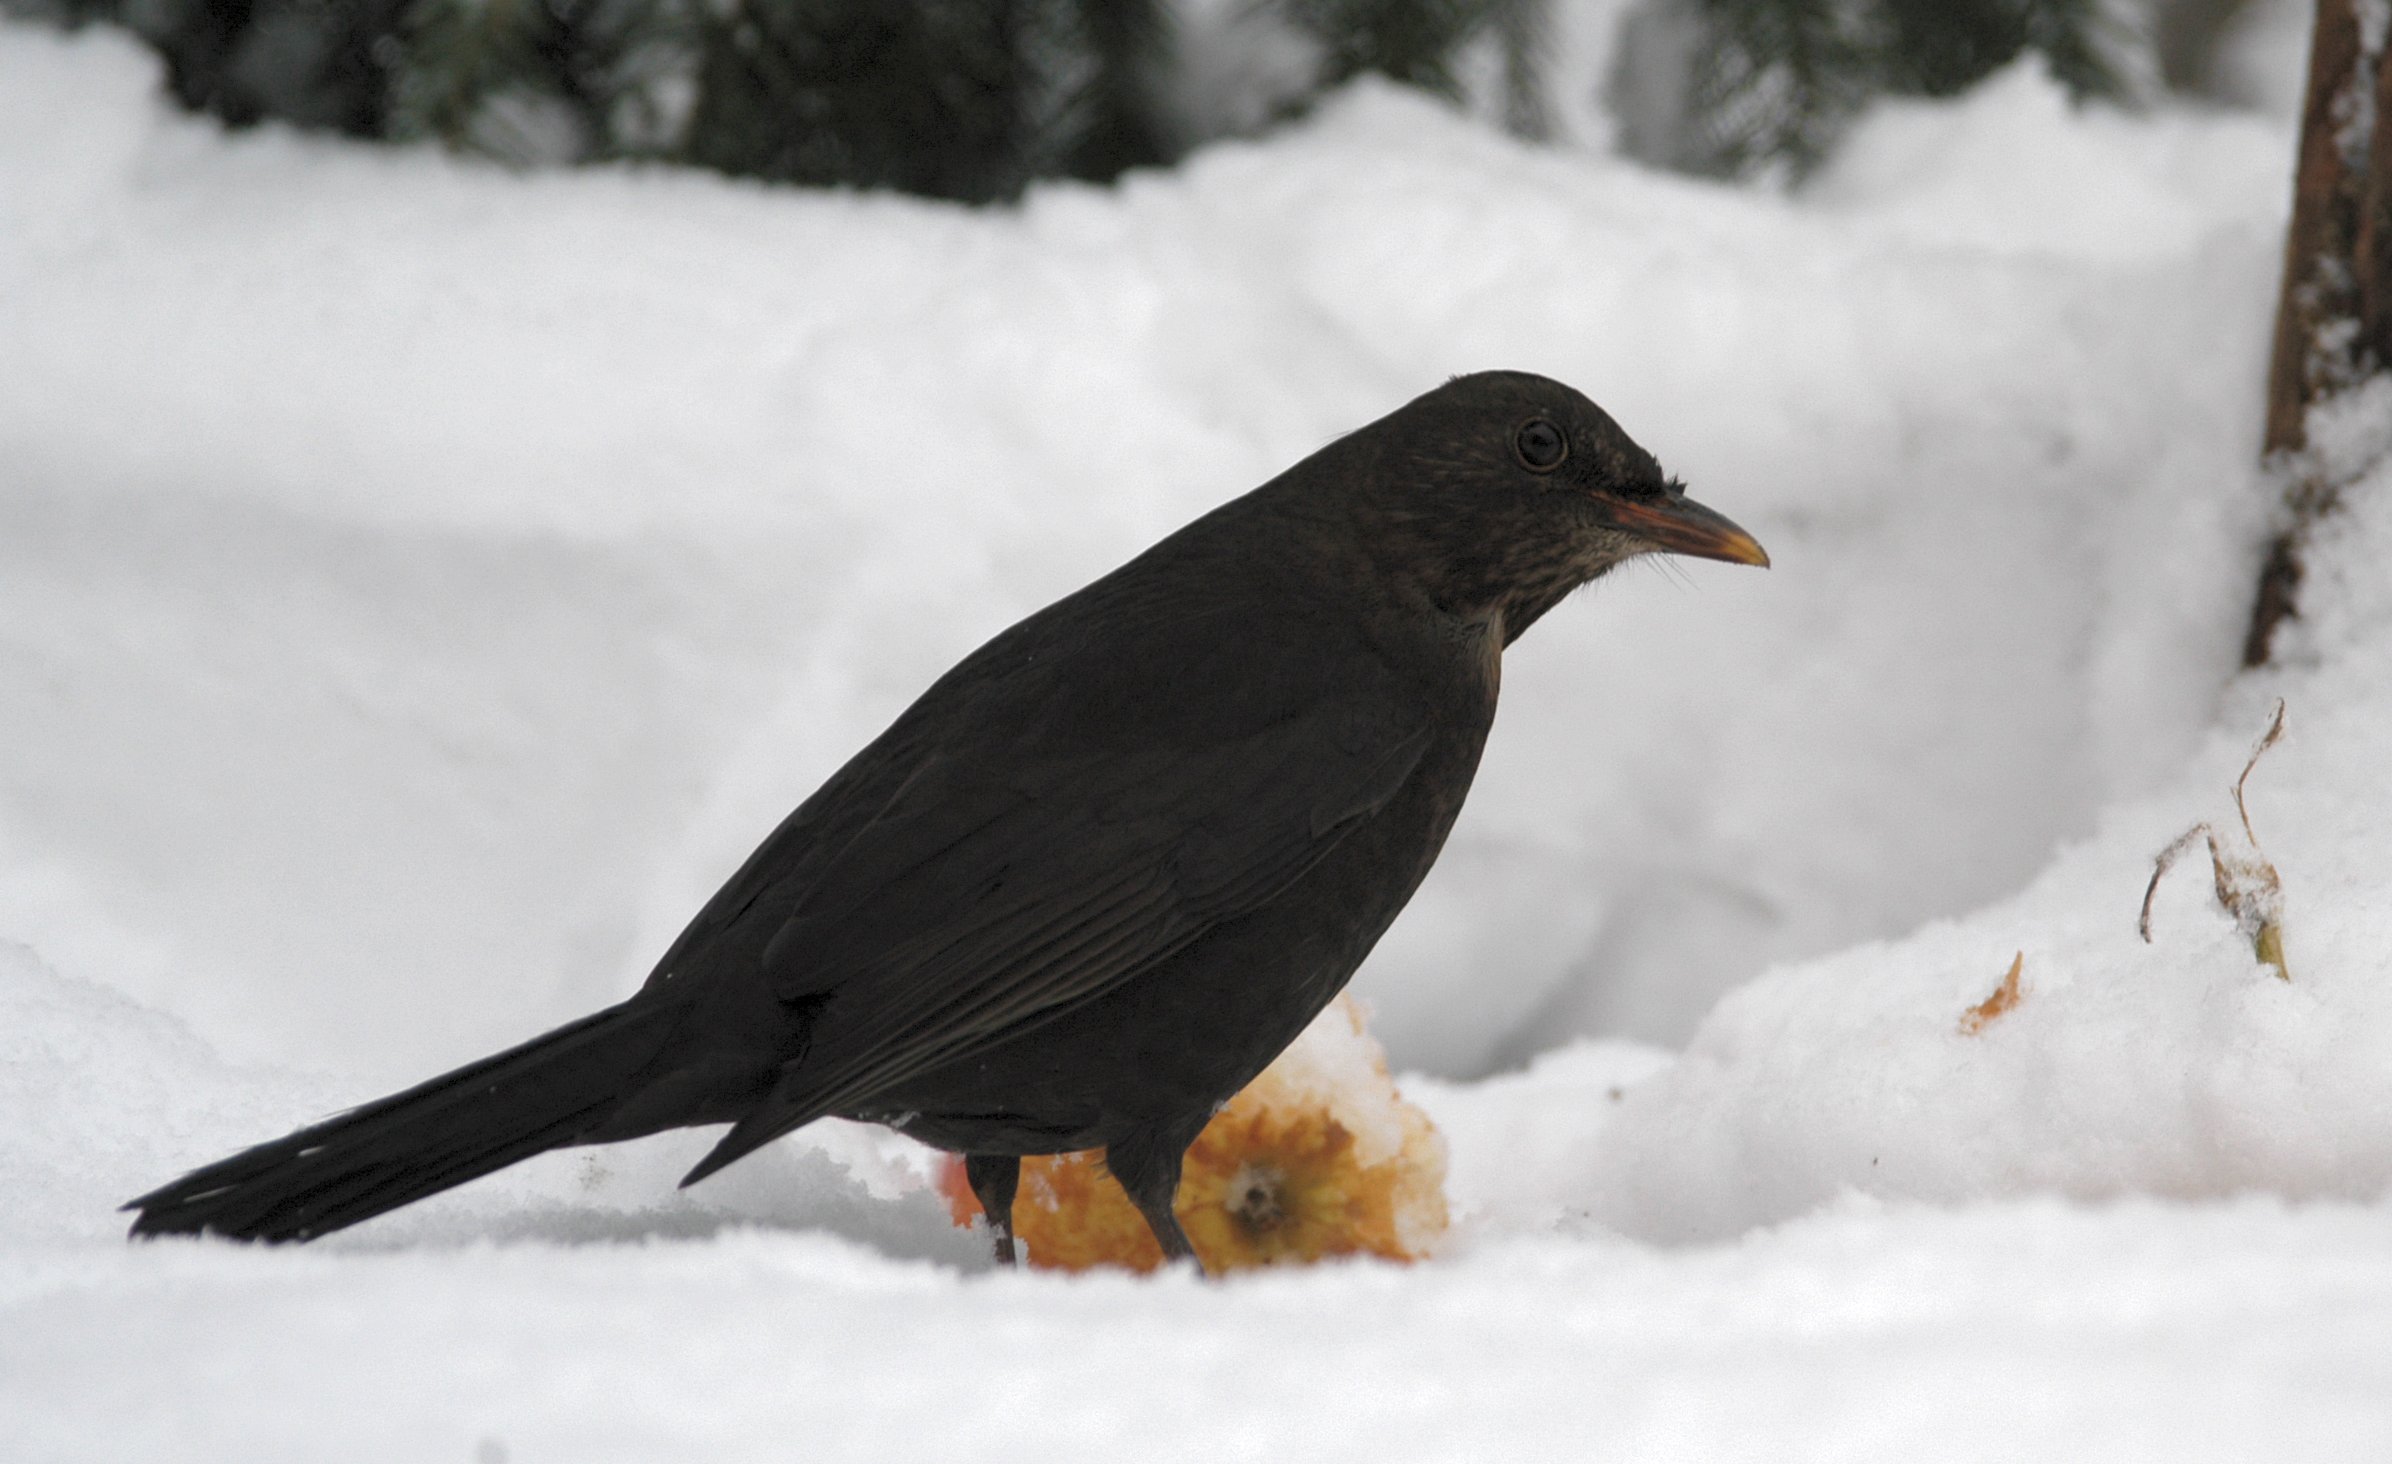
(1091, 883)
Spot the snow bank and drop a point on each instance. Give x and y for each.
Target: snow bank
(2181, 1067)
(2133, 1334)
(422, 584)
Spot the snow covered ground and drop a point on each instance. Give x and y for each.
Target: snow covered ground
(419, 585)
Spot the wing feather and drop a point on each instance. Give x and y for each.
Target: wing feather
(1002, 879)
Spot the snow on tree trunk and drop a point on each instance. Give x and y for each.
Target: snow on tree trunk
(2334, 322)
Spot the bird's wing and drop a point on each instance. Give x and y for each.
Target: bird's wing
(1077, 826)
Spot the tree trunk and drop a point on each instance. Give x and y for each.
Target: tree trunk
(2334, 319)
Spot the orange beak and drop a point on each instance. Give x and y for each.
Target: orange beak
(1676, 524)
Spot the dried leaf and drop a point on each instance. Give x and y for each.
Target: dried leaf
(2274, 734)
(2248, 887)
(2005, 996)
(2166, 861)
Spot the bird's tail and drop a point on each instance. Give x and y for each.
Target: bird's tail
(547, 1093)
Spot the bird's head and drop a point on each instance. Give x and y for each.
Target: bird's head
(1502, 491)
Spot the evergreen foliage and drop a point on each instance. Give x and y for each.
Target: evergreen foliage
(1419, 43)
(531, 81)
(1411, 41)
(317, 63)
(1776, 81)
(1520, 28)
(933, 98)
(1114, 114)
(975, 99)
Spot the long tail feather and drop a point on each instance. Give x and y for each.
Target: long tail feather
(545, 1094)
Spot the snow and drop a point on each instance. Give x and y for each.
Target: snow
(2028, 1331)
(419, 584)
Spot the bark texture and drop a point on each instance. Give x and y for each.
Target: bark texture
(2334, 319)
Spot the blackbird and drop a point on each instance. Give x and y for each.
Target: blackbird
(1102, 872)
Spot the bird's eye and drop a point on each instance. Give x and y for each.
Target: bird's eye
(1541, 446)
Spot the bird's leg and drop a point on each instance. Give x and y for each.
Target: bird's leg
(1149, 1174)
(994, 1178)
